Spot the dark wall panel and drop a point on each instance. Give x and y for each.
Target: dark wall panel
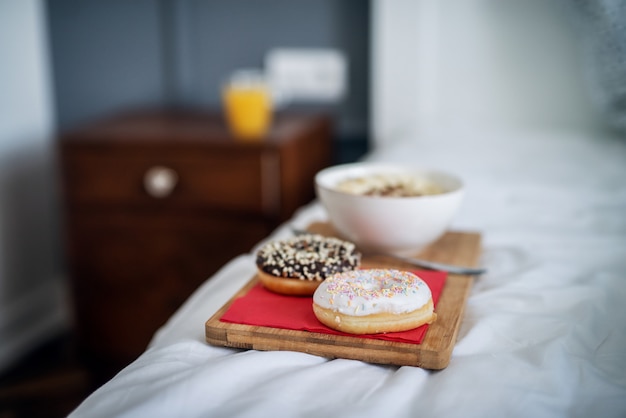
(112, 54)
(105, 55)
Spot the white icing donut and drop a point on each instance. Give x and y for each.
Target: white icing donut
(373, 301)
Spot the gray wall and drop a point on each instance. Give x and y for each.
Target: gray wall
(105, 54)
(32, 286)
(112, 54)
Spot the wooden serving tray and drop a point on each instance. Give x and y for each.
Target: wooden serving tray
(434, 352)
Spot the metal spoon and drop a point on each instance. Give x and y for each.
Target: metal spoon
(419, 262)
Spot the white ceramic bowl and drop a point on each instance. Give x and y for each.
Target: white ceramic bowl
(399, 225)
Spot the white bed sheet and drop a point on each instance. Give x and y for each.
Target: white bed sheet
(544, 333)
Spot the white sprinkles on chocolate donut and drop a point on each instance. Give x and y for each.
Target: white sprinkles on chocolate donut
(308, 257)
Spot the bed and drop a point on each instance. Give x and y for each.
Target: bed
(543, 333)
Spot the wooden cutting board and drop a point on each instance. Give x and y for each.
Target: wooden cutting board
(462, 248)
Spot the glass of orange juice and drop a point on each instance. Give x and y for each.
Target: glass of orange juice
(247, 104)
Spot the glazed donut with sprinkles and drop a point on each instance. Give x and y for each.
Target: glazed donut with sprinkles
(372, 301)
(296, 266)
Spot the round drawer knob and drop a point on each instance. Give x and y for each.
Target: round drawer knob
(160, 181)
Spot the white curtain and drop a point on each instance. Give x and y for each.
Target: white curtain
(478, 65)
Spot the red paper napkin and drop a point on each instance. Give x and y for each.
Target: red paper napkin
(261, 307)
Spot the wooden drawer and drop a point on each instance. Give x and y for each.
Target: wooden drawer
(135, 257)
(131, 272)
(222, 180)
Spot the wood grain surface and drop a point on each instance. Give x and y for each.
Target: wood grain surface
(461, 248)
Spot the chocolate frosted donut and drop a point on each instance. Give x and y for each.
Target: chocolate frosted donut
(296, 266)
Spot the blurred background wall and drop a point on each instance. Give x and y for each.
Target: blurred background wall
(486, 66)
(32, 304)
(116, 53)
(66, 62)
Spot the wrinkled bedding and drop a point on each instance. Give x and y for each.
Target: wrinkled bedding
(544, 331)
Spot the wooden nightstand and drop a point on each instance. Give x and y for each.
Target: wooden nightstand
(157, 201)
